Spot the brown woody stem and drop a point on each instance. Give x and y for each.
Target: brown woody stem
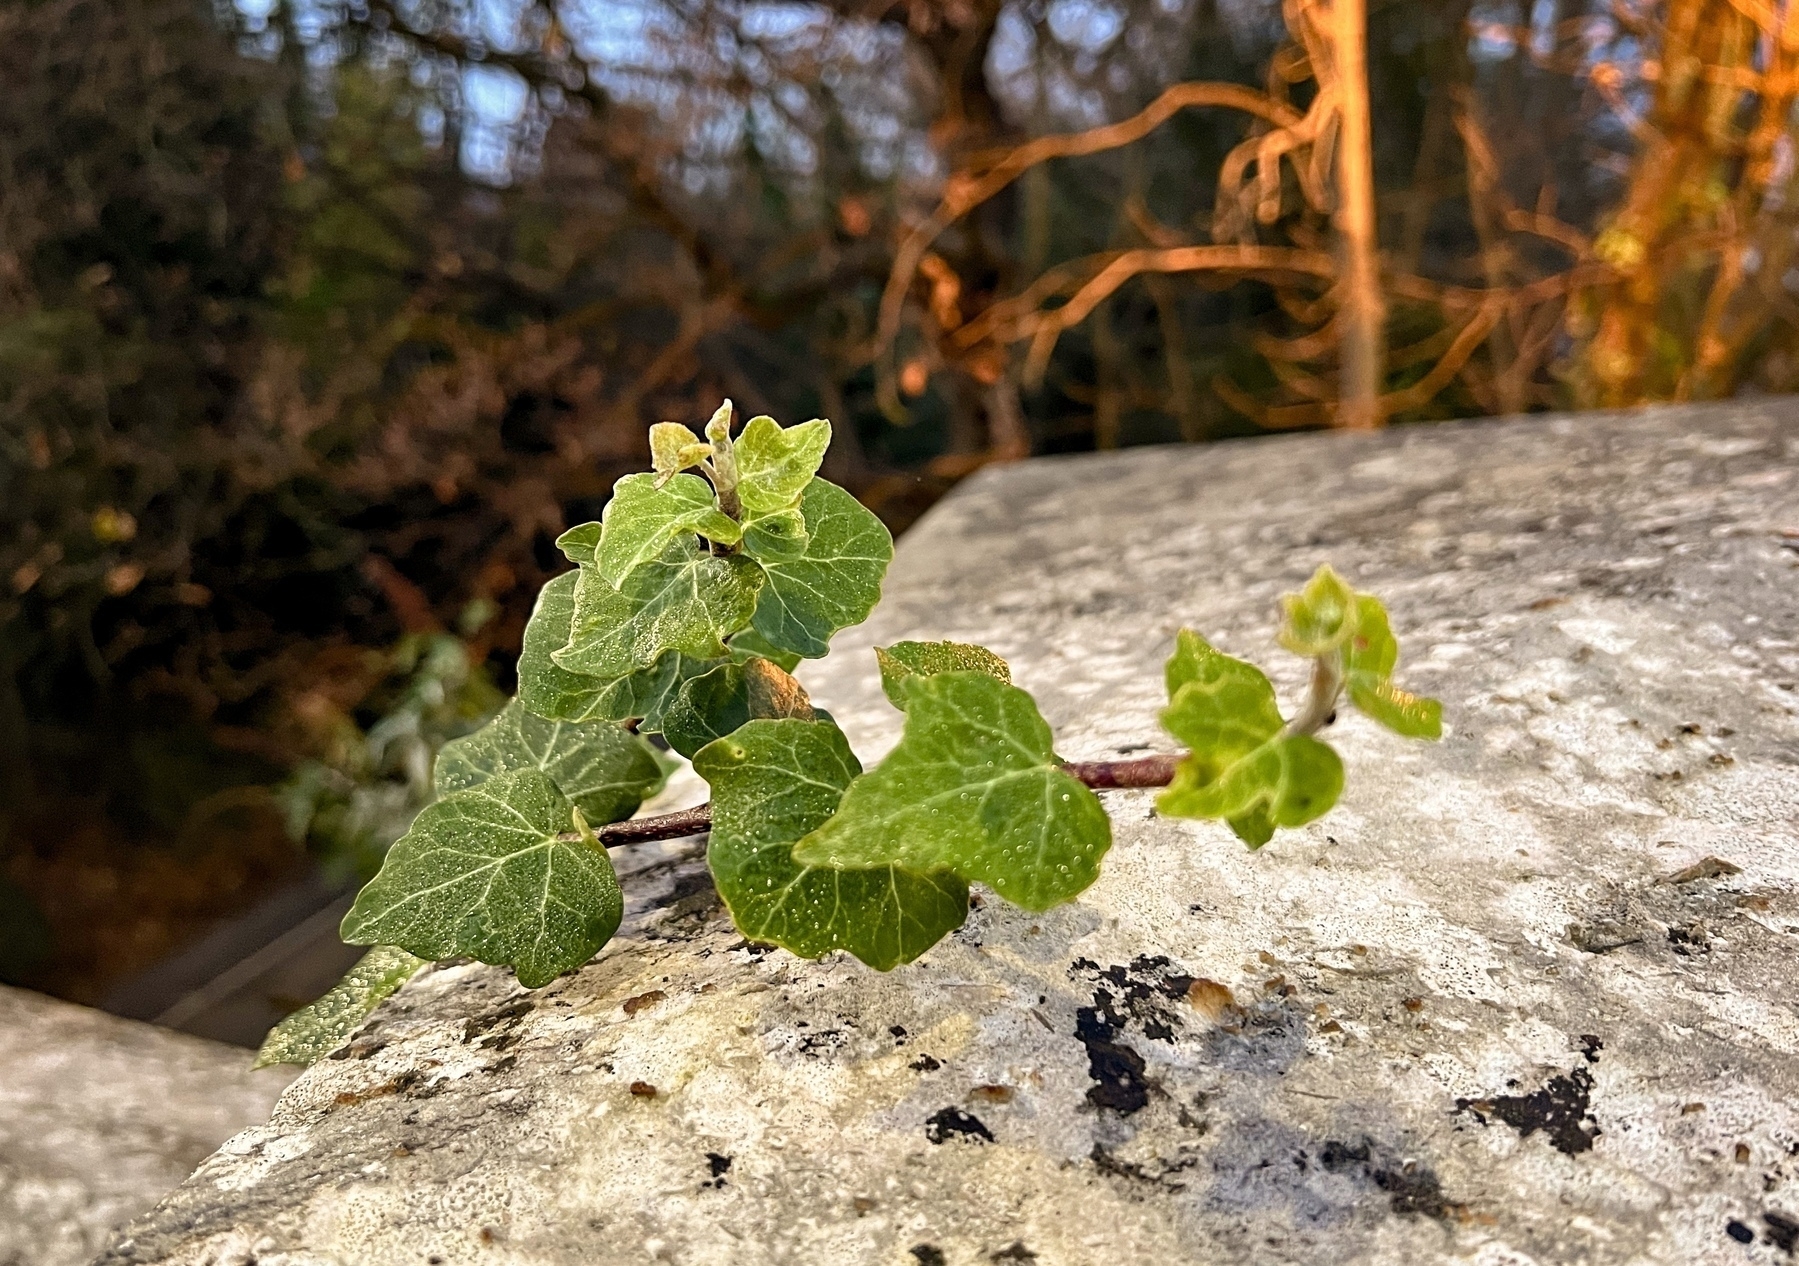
(1144, 771)
(664, 826)
(1101, 775)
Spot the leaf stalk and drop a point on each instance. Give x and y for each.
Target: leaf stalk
(1321, 700)
(721, 467)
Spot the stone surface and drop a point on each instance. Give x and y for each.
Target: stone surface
(1498, 1008)
(101, 1117)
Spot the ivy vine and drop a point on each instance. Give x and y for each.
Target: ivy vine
(691, 602)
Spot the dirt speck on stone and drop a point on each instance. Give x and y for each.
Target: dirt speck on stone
(1211, 999)
(1707, 868)
(642, 1001)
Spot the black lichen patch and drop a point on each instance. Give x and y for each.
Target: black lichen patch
(475, 1026)
(1782, 1232)
(1562, 1110)
(928, 1255)
(1152, 996)
(1738, 1232)
(924, 1064)
(720, 1166)
(1690, 941)
(1145, 994)
(821, 1041)
(950, 1122)
(1590, 1047)
(1411, 1188)
(1163, 1175)
(1117, 1070)
(1143, 991)
(1267, 1172)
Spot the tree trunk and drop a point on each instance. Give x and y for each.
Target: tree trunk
(1358, 243)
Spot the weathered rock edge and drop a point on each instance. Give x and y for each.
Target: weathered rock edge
(1497, 1008)
(102, 1117)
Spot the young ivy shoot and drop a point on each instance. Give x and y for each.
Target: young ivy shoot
(691, 602)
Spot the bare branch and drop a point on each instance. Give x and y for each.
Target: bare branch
(622, 145)
(1044, 328)
(969, 190)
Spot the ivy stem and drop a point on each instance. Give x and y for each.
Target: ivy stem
(723, 466)
(1101, 775)
(728, 501)
(664, 826)
(1321, 701)
(1144, 771)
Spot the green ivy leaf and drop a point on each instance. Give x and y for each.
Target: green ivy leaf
(544, 688)
(605, 770)
(972, 787)
(484, 872)
(1244, 717)
(1369, 657)
(1285, 782)
(646, 693)
(773, 782)
(776, 537)
(713, 705)
(705, 708)
(579, 542)
(774, 464)
(837, 580)
(314, 1031)
(904, 661)
(1320, 617)
(1240, 766)
(548, 690)
(646, 513)
(685, 600)
(750, 644)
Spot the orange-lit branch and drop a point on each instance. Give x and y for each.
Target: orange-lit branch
(1444, 371)
(1420, 393)
(1317, 345)
(1044, 328)
(1768, 17)
(965, 191)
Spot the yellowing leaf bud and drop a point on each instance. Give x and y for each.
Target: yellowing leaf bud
(1320, 617)
(718, 430)
(673, 448)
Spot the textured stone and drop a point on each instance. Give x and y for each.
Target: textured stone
(1497, 1008)
(101, 1117)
